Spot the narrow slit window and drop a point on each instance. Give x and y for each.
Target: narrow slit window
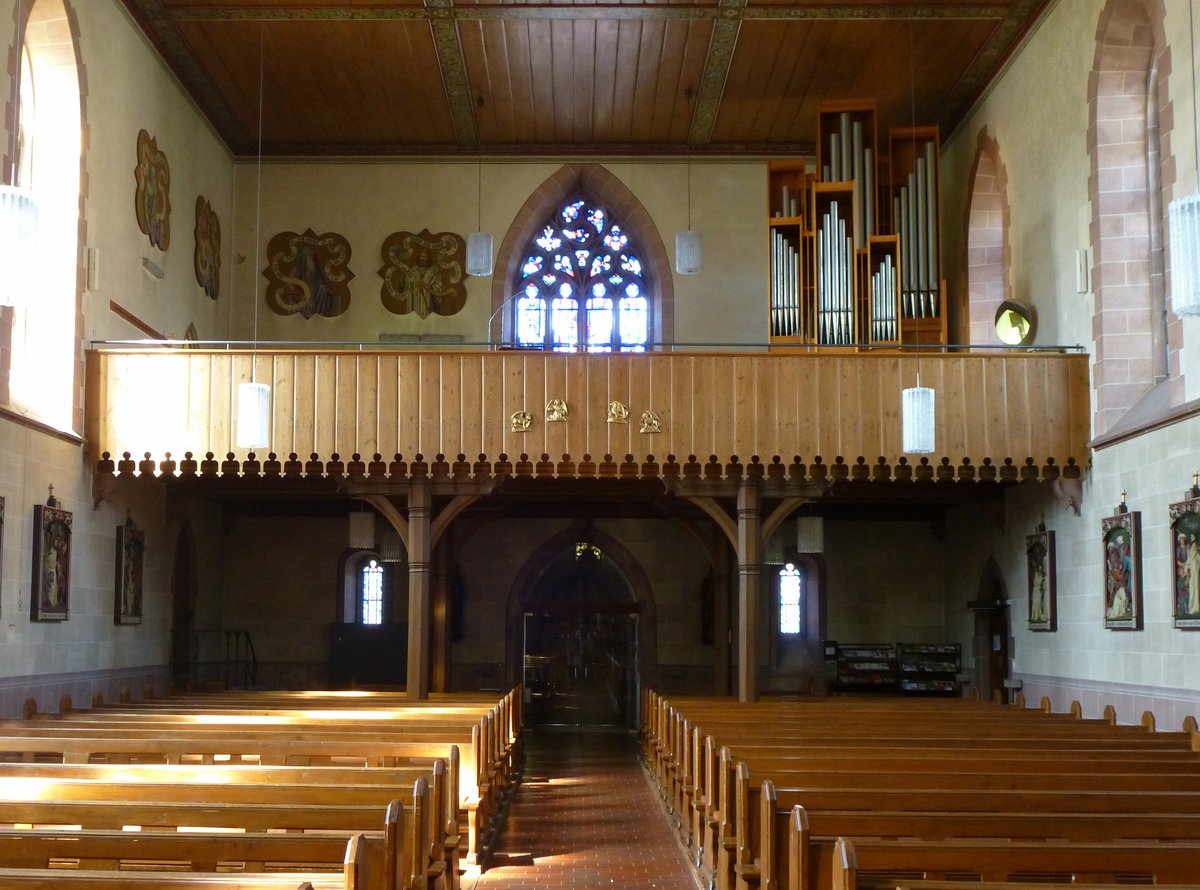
(791, 595)
(371, 593)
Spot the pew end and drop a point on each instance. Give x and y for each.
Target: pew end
(845, 865)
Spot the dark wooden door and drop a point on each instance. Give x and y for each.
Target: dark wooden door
(580, 667)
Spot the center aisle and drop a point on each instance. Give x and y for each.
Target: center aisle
(585, 816)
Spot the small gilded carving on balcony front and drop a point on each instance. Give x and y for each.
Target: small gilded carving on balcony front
(651, 422)
(521, 421)
(617, 412)
(556, 411)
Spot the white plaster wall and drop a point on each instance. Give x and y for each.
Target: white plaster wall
(124, 90)
(1038, 114)
(367, 200)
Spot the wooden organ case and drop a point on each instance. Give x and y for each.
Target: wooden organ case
(855, 245)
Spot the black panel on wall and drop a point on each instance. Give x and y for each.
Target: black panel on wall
(367, 655)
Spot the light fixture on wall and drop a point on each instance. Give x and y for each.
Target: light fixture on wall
(18, 209)
(1183, 221)
(479, 243)
(254, 398)
(689, 244)
(918, 420)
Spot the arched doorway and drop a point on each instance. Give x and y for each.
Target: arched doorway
(576, 628)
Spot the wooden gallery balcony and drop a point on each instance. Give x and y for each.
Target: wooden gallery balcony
(383, 415)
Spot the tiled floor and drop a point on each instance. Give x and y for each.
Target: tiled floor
(586, 816)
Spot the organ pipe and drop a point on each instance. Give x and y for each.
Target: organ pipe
(916, 215)
(931, 225)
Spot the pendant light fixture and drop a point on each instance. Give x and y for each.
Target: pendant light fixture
(918, 420)
(1183, 220)
(479, 243)
(254, 398)
(917, 410)
(361, 534)
(689, 244)
(18, 209)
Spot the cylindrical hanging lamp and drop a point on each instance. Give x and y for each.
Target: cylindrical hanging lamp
(253, 415)
(917, 410)
(810, 534)
(362, 530)
(1184, 224)
(391, 549)
(689, 247)
(479, 253)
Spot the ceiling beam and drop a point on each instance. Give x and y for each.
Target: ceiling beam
(716, 70)
(607, 11)
(454, 71)
(1002, 44)
(159, 24)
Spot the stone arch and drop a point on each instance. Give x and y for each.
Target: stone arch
(628, 567)
(988, 257)
(597, 181)
(1132, 352)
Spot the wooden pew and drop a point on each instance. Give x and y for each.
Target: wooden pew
(1015, 885)
(877, 863)
(255, 729)
(1093, 811)
(61, 879)
(113, 806)
(198, 852)
(805, 860)
(740, 846)
(483, 777)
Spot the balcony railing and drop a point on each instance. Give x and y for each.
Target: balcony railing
(1029, 407)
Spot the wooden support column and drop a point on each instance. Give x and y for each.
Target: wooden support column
(419, 616)
(720, 578)
(442, 603)
(749, 525)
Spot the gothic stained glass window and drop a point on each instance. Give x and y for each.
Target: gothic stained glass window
(581, 286)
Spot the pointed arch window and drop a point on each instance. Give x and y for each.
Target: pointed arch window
(581, 286)
(39, 375)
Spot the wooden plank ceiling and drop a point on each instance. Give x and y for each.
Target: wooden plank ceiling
(379, 77)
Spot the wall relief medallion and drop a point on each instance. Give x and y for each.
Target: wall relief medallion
(308, 273)
(207, 258)
(152, 198)
(423, 273)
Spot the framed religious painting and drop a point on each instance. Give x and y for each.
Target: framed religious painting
(1185, 572)
(127, 600)
(1122, 542)
(1041, 587)
(50, 584)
